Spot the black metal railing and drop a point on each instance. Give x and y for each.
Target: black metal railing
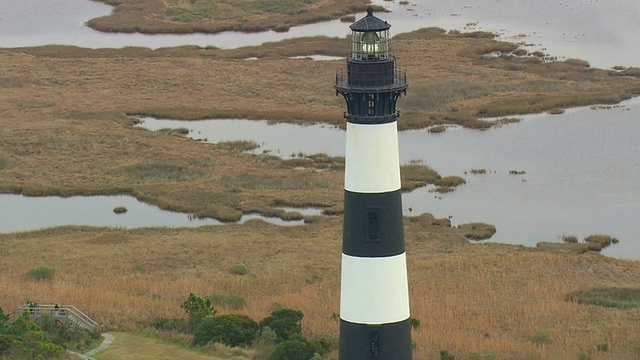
(395, 79)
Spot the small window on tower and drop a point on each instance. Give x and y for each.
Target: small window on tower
(375, 343)
(372, 225)
(371, 109)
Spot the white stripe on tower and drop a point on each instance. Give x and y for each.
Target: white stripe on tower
(372, 162)
(374, 290)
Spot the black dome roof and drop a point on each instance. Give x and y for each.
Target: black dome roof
(370, 23)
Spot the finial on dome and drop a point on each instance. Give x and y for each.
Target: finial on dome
(370, 11)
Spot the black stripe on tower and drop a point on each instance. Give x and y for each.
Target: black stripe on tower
(375, 342)
(373, 224)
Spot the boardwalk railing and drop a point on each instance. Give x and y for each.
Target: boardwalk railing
(62, 313)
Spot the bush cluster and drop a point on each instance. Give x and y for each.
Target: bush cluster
(278, 336)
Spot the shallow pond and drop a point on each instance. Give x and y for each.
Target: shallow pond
(22, 213)
(581, 170)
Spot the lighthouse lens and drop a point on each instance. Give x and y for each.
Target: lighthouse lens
(370, 45)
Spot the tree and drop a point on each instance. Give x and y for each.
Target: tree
(232, 330)
(285, 323)
(197, 309)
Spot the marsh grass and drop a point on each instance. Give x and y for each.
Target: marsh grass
(5, 162)
(255, 181)
(33, 103)
(174, 132)
(450, 181)
(591, 243)
(615, 297)
(600, 240)
(416, 175)
(238, 145)
(437, 129)
(233, 302)
(477, 231)
(164, 172)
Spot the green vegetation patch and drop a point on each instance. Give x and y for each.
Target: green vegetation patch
(166, 172)
(477, 231)
(620, 298)
(4, 162)
(235, 302)
(258, 181)
(198, 10)
(42, 273)
(238, 145)
(415, 175)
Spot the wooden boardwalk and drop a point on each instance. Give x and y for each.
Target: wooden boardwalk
(62, 313)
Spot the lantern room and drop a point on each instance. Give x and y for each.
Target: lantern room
(370, 38)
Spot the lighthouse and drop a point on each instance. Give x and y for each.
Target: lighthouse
(374, 295)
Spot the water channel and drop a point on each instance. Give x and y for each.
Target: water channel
(602, 32)
(581, 170)
(581, 167)
(33, 213)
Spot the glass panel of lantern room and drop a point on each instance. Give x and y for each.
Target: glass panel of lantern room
(384, 45)
(370, 46)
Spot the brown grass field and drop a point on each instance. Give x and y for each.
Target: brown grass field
(469, 298)
(64, 131)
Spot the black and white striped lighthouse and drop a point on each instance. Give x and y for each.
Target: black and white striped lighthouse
(374, 295)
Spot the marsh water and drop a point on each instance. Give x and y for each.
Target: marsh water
(581, 170)
(602, 32)
(23, 213)
(581, 167)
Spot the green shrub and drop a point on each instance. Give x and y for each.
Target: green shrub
(540, 337)
(285, 322)
(120, 210)
(297, 348)
(165, 324)
(444, 355)
(583, 356)
(238, 269)
(415, 323)
(43, 273)
(231, 330)
(229, 301)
